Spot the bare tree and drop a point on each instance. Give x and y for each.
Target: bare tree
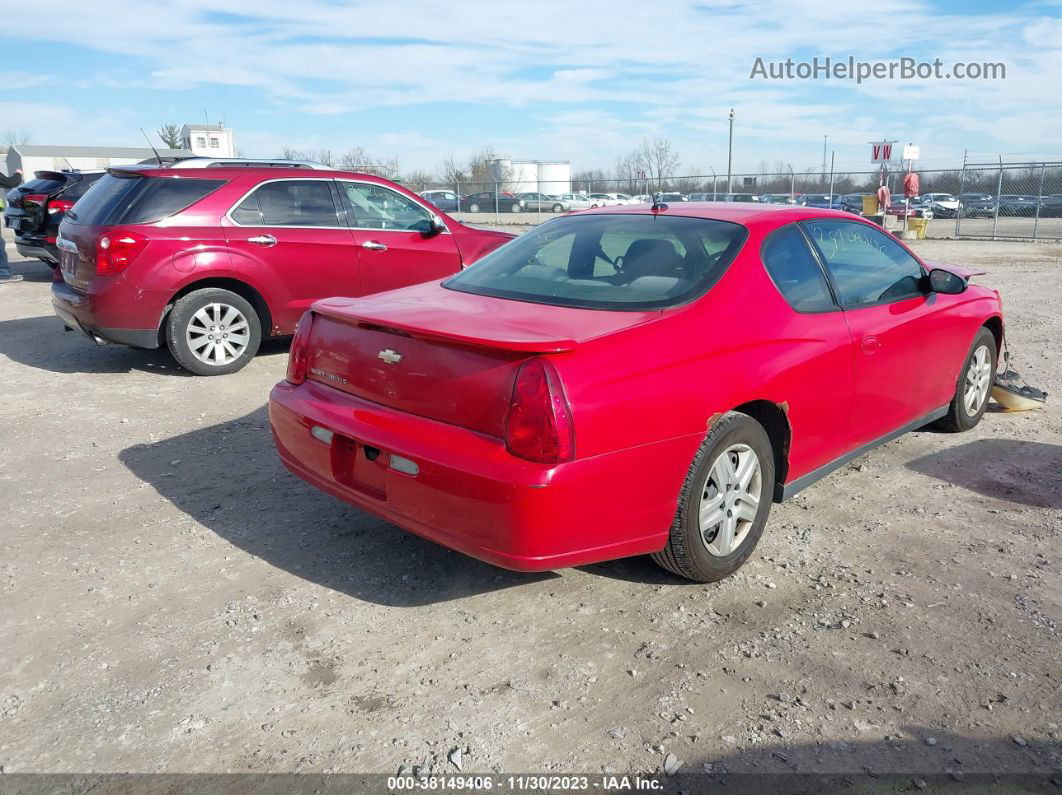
(452, 172)
(418, 180)
(355, 159)
(479, 166)
(290, 153)
(657, 159)
(16, 137)
(170, 135)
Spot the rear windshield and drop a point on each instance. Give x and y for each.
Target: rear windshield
(628, 262)
(77, 189)
(40, 186)
(139, 200)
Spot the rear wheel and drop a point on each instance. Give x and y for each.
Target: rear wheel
(970, 400)
(473, 208)
(558, 208)
(515, 208)
(724, 502)
(213, 332)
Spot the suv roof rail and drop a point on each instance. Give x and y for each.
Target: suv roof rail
(241, 162)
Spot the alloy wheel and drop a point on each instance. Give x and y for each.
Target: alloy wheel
(218, 334)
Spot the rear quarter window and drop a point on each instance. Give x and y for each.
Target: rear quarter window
(139, 200)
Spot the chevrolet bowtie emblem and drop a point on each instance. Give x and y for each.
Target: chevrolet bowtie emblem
(389, 356)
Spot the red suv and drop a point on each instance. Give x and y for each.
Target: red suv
(209, 261)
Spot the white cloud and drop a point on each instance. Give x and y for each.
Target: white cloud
(671, 67)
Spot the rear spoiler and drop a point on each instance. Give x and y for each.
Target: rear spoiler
(446, 326)
(58, 176)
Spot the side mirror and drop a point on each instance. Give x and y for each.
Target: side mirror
(946, 282)
(436, 225)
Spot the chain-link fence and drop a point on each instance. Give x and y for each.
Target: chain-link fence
(1008, 200)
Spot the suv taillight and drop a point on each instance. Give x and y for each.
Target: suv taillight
(35, 198)
(116, 249)
(299, 356)
(539, 426)
(60, 205)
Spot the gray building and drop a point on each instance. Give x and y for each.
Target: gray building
(32, 158)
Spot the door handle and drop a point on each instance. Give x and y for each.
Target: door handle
(372, 245)
(263, 240)
(870, 345)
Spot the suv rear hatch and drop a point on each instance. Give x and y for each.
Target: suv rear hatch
(442, 354)
(119, 211)
(26, 211)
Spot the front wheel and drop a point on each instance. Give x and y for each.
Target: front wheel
(970, 400)
(473, 208)
(515, 208)
(724, 502)
(213, 332)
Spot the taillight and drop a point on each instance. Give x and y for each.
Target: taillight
(60, 205)
(539, 426)
(299, 356)
(34, 198)
(116, 249)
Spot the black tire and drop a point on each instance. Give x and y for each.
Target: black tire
(558, 208)
(215, 301)
(687, 553)
(959, 418)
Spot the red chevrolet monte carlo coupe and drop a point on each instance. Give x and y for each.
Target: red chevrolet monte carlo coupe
(632, 380)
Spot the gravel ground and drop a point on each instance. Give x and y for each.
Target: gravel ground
(173, 601)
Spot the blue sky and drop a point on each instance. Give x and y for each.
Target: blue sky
(582, 81)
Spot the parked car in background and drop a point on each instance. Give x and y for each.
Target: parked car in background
(1051, 206)
(1018, 204)
(899, 208)
(673, 197)
(702, 197)
(489, 202)
(779, 198)
(740, 197)
(643, 198)
(445, 200)
(574, 201)
(820, 201)
(603, 200)
(540, 202)
(35, 209)
(209, 261)
(943, 205)
(559, 403)
(852, 202)
(977, 205)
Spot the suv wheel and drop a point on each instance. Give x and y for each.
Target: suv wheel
(724, 502)
(213, 332)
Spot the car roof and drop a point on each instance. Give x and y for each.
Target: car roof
(231, 172)
(744, 213)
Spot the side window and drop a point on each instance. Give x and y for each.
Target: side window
(868, 267)
(377, 207)
(795, 271)
(292, 202)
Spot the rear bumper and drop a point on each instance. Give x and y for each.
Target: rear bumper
(37, 248)
(102, 315)
(470, 494)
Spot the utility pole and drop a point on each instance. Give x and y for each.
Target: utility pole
(730, 154)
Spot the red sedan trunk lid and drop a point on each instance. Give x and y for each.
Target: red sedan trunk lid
(445, 354)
